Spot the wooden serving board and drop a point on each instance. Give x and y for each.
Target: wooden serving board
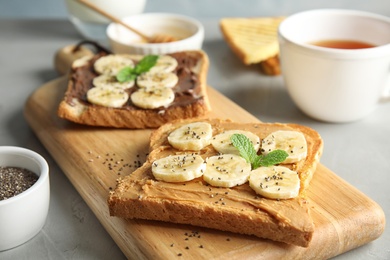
(93, 158)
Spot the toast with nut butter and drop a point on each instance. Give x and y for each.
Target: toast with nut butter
(227, 176)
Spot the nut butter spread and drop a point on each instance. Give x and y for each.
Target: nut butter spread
(187, 90)
(242, 198)
(142, 185)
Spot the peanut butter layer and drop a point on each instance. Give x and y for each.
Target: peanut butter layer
(238, 209)
(293, 212)
(305, 167)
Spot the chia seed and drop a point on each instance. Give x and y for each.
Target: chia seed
(15, 180)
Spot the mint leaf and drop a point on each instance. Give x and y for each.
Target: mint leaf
(248, 152)
(272, 158)
(144, 65)
(244, 146)
(126, 74)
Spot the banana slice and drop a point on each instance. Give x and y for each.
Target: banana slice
(110, 81)
(161, 79)
(178, 168)
(82, 61)
(223, 144)
(112, 64)
(194, 136)
(107, 96)
(165, 64)
(293, 142)
(150, 98)
(226, 170)
(276, 182)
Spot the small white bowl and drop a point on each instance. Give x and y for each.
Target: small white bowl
(23, 216)
(188, 30)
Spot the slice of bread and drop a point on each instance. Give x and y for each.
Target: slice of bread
(236, 209)
(271, 66)
(253, 40)
(190, 101)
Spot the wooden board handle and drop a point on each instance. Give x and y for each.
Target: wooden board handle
(64, 57)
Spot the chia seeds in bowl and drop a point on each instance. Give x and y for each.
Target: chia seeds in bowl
(15, 180)
(24, 195)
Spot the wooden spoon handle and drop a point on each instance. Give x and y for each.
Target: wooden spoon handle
(112, 18)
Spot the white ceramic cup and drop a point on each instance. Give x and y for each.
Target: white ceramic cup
(23, 216)
(335, 85)
(91, 24)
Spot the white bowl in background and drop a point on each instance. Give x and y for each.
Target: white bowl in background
(90, 24)
(23, 216)
(188, 30)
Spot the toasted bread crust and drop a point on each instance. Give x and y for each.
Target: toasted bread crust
(271, 66)
(252, 39)
(139, 195)
(89, 114)
(247, 222)
(119, 118)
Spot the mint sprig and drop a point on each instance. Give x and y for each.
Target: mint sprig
(248, 152)
(144, 65)
(126, 74)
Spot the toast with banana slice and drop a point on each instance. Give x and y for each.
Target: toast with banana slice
(115, 90)
(197, 173)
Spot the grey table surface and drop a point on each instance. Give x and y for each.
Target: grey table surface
(358, 152)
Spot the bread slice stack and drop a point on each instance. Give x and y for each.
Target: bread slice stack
(237, 209)
(254, 40)
(188, 97)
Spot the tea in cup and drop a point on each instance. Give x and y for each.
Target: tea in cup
(336, 63)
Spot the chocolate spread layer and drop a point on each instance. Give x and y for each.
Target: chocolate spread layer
(186, 91)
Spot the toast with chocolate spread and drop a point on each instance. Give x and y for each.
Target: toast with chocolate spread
(172, 186)
(173, 88)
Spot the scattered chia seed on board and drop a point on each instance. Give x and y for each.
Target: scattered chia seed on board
(15, 180)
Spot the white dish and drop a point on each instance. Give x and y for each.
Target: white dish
(188, 30)
(23, 216)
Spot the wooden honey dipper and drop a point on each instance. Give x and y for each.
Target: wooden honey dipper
(158, 38)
